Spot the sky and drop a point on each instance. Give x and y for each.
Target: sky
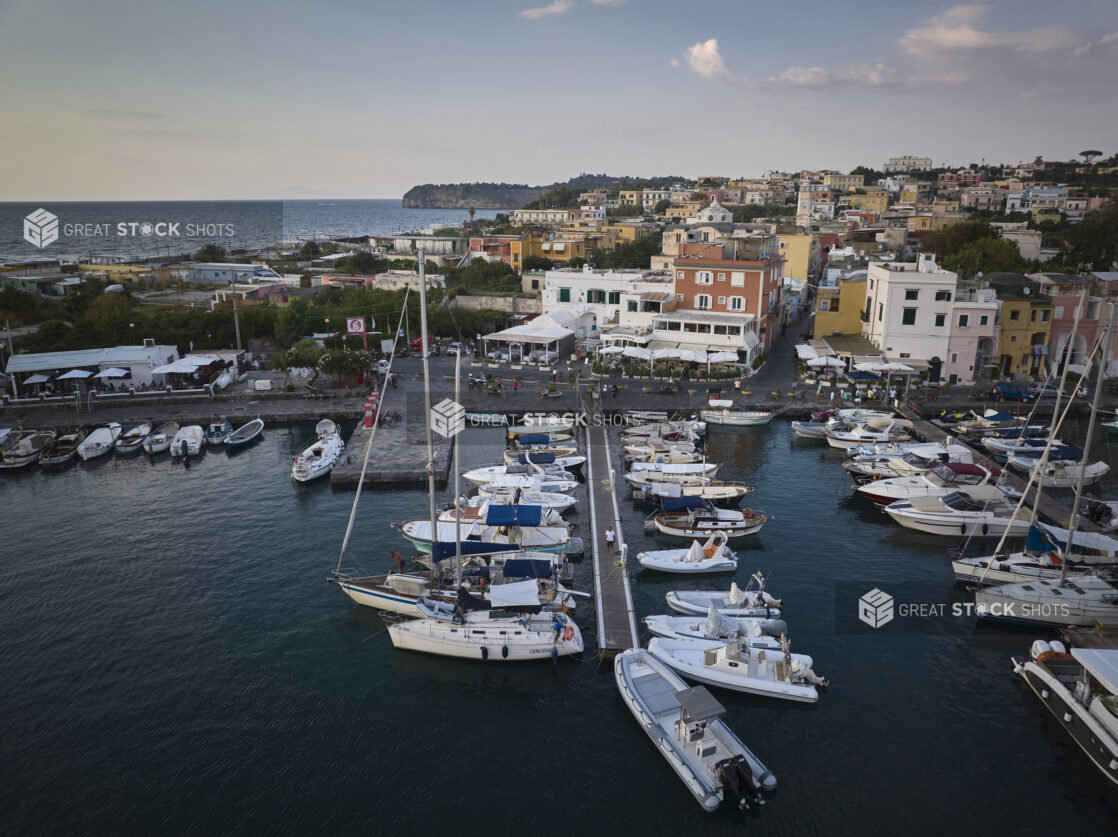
(129, 100)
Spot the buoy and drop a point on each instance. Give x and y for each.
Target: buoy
(876, 476)
(484, 653)
(554, 653)
(505, 651)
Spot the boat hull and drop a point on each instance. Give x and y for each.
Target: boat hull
(494, 642)
(957, 528)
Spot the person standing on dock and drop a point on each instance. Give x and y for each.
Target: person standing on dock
(610, 537)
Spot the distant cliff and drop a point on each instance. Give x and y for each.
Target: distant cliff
(465, 195)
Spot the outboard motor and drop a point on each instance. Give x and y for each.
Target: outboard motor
(738, 783)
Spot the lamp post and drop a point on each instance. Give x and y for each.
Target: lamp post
(132, 333)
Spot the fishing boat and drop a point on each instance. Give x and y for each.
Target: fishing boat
(738, 418)
(691, 517)
(874, 431)
(217, 431)
(511, 496)
(740, 667)
(319, 459)
(244, 435)
(939, 480)
(161, 438)
(757, 632)
(188, 441)
(978, 511)
(62, 450)
(475, 509)
(566, 458)
(507, 627)
(131, 438)
(712, 557)
(26, 449)
(752, 600)
(99, 442)
(717, 492)
(1081, 690)
(687, 728)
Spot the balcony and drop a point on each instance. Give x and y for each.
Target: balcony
(864, 316)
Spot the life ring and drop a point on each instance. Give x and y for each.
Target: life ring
(1054, 557)
(569, 634)
(876, 476)
(747, 512)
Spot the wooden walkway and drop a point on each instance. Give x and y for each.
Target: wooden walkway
(1088, 638)
(1052, 510)
(613, 600)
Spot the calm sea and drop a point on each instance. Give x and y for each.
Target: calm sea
(164, 228)
(174, 661)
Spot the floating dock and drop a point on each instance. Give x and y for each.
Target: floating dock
(613, 599)
(399, 458)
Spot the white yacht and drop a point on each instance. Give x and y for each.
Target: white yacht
(980, 511)
(752, 600)
(1080, 600)
(938, 481)
(873, 431)
(319, 459)
(511, 496)
(757, 632)
(1041, 558)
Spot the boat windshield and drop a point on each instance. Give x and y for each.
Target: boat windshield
(961, 502)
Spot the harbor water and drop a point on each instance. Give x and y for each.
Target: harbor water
(174, 661)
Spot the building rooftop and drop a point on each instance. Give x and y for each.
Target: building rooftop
(706, 317)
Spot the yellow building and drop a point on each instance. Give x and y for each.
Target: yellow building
(842, 182)
(801, 255)
(1026, 321)
(557, 249)
(910, 193)
(838, 309)
(631, 197)
(949, 204)
(871, 200)
(627, 233)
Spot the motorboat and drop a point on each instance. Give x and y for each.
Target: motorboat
(541, 441)
(750, 601)
(26, 449)
(319, 459)
(714, 556)
(1081, 600)
(668, 431)
(529, 482)
(99, 442)
(758, 632)
(873, 431)
(691, 517)
(666, 474)
(739, 418)
(1064, 467)
(508, 627)
(671, 457)
(866, 468)
(989, 420)
(547, 458)
(131, 438)
(500, 536)
(687, 728)
(824, 420)
(978, 511)
(474, 509)
(691, 469)
(925, 449)
(244, 435)
(644, 416)
(653, 448)
(941, 479)
(738, 666)
(516, 496)
(161, 438)
(188, 442)
(560, 430)
(62, 450)
(717, 492)
(1004, 445)
(489, 473)
(1081, 690)
(217, 431)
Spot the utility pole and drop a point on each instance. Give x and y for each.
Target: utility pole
(11, 354)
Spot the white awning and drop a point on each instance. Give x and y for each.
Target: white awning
(805, 351)
(722, 357)
(515, 594)
(74, 373)
(112, 372)
(37, 379)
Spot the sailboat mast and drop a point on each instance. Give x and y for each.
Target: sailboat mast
(457, 471)
(427, 396)
(1073, 522)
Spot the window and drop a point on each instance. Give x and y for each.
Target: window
(704, 277)
(737, 303)
(954, 357)
(720, 329)
(691, 328)
(1059, 313)
(702, 301)
(721, 277)
(535, 284)
(737, 279)
(633, 305)
(673, 326)
(615, 297)
(905, 354)
(964, 320)
(983, 320)
(1092, 310)
(824, 305)
(733, 331)
(679, 274)
(1013, 339)
(911, 293)
(940, 320)
(880, 311)
(564, 294)
(1045, 315)
(871, 284)
(703, 328)
(679, 297)
(1038, 338)
(1014, 316)
(908, 316)
(943, 296)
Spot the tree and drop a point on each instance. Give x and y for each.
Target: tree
(210, 253)
(632, 255)
(869, 176)
(537, 263)
(304, 354)
(1093, 242)
(576, 262)
(1089, 155)
(311, 250)
(954, 237)
(344, 364)
(306, 280)
(81, 297)
(106, 320)
(988, 255)
(662, 207)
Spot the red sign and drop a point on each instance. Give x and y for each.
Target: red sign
(355, 325)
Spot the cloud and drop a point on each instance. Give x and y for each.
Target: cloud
(956, 30)
(557, 7)
(609, 2)
(1112, 38)
(705, 61)
(872, 75)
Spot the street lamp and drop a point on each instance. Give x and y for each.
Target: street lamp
(132, 333)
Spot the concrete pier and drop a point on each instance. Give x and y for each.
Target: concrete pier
(398, 458)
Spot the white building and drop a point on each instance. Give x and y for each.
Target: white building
(137, 361)
(902, 164)
(651, 197)
(908, 311)
(228, 272)
(707, 331)
(714, 213)
(606, 300)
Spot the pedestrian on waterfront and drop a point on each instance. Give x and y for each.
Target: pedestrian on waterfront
(832, 396)
(610, 537)
(892, 393)
(515, 385)
(737, 385)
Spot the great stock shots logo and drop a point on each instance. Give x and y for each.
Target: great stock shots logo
(40, 228)
(875, 608)
(448, 418)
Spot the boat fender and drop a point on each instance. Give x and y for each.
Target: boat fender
(554, 653)
(1038, 648)
(962, 528)
(876, 476)
(484, 653)
(504, 651)
(1058, 647)
(985, 528)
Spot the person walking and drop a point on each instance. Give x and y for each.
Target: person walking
(515, 385)
(610, 538)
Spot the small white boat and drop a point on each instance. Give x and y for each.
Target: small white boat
(1059, 473)
(132, 438)
(739, 418)
(516, 496)
(1041, 558)
(940, 480)
(874, 431)
(244, 435)
(740, 667)
(712, 491)
(568, 460)
(1080, 600)
(981, 511)
(217, 431)
(529, 482)
(666, 469)
(99, 442)
(319, 459)
(61, 450)
(706, 520)
(488, 473)
(759, 633)
(188, 441)
(474, 509)
(539, 538)
(872, 466)
(644, 416)
(736, 602)
(711, 557)
(687, 728)
(26, 449)
(161, 438)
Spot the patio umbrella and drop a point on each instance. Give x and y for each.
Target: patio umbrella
(37, 379)
(112, 372)
(640, 354)
(74, 373)
(693, 355)
(660, 354)
(611, 350)
(825, 361)
(871, 366)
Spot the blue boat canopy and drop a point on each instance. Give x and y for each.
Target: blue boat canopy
(537, 457)
(513, 515)
(1039, 541)
(996, 415)
(534, 439)
(445, 549)
(527, 568)
(1065, 452)
(680, 503)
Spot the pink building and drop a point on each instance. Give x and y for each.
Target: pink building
(1066, 291)
(972, 348)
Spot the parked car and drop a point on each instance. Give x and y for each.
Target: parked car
(1011, 392)
(453, 347)
(1045, 390)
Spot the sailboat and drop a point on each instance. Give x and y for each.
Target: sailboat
(319, 459)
